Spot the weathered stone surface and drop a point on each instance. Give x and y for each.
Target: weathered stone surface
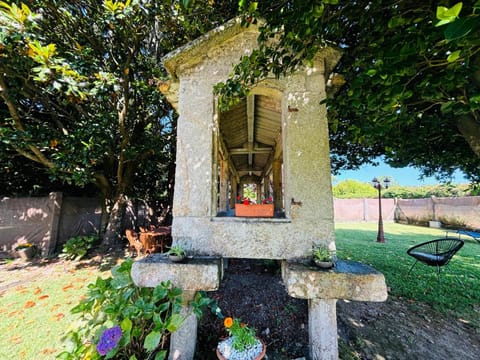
(322, 329)
(195, 274)
(348, 280)
(252, 238)
(198, 67)
(182, 341)
(306, 188)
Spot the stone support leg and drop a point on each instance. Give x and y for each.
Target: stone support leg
(183, 341)
(322, 329)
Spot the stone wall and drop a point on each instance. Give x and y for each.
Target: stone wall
(306, 164)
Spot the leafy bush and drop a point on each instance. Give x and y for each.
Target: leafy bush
(123, 321)
(77, 247)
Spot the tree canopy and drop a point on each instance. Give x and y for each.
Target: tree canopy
(353, 189)
(407, 84)
(79, 83)
(79, 89)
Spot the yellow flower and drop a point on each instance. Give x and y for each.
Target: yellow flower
(228, 322)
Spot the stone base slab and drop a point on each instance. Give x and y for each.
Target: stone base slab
(193, 274)
(347, 280)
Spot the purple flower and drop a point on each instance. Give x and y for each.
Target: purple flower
(109, 340)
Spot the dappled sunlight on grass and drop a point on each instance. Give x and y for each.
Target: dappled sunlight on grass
(36, 312)
(457, 290)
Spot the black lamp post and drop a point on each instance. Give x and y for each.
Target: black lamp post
(377, 185)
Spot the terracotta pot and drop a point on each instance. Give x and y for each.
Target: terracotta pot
(254, 210)
(259, 357)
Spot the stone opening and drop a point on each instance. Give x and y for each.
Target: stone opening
(250, 155)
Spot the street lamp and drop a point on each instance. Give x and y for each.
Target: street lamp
(377, 185)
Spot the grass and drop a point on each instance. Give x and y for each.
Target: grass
(36, 300)
(457, 292)
(35, 307)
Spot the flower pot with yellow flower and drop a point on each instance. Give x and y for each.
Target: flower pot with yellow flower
(242, 343)
(26, 251)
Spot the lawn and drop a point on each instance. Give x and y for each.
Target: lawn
(457, 292)
(35, 306)
(35, 300)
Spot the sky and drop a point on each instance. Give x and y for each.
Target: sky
(403, 176)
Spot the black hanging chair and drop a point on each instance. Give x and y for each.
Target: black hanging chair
(436, 252)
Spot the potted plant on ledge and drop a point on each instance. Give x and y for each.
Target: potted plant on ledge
(176, 253)
(322, 257)
(242, 344)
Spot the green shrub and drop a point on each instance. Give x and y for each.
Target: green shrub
(138, 320)
(77, 247)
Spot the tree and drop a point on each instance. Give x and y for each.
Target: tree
(410, 76)
(353, 189)
(78, 82)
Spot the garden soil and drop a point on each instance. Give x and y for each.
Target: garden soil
(395, 329)
(253, 291)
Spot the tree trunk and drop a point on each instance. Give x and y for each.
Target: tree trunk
(113, 233)
(470, 129)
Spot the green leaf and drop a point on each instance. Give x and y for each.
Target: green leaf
(161, 355)
(126, 325)
(475, 99)
(152, 340)
(396, 21)
(448, 15)
(186, 4)
(461, 28)
(174, 322)
(371, 72)
(446, 106)
(453, 56)
(160, 292)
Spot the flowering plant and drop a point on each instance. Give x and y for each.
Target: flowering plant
(119, 320)
(109, 340)
(23, 246)
(242, 335)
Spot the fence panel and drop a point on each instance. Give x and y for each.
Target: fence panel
(79, 216)
(459, 212)
(346, 210)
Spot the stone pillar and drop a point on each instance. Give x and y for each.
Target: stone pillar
(183, 341)
(347, 280)
(195, 274)
(277, 184)
(322, 329)
(223, 195)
